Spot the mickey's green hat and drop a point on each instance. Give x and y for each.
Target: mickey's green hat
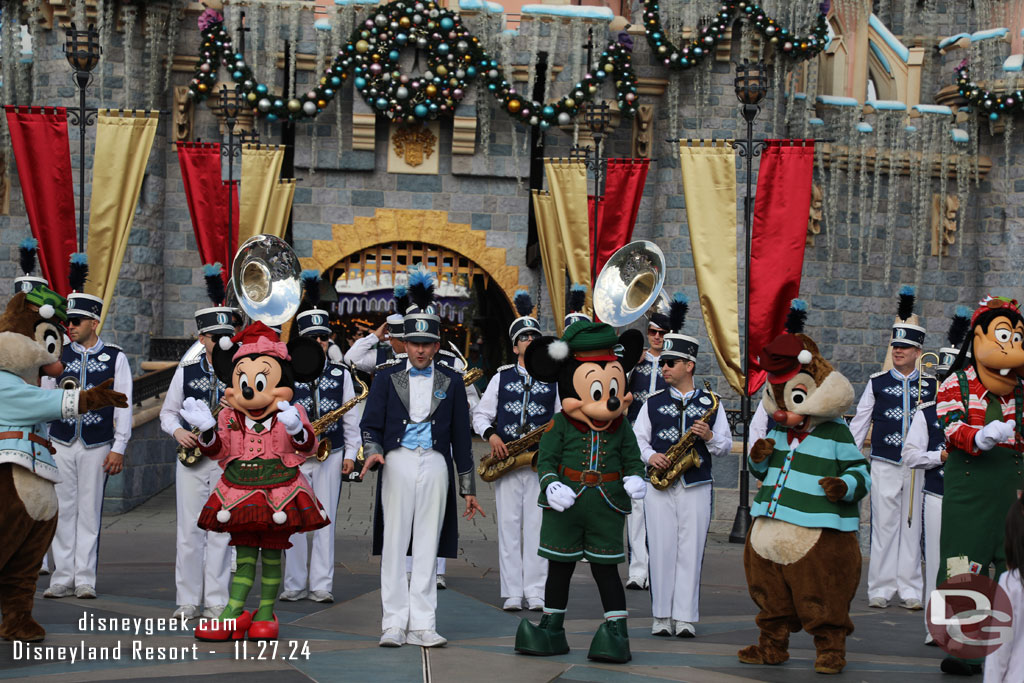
(42, 296)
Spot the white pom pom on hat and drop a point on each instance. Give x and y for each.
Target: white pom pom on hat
(558, 350)
(223, 516)
(804, 357)
(225, 343)
(46, 311)
(280, 517)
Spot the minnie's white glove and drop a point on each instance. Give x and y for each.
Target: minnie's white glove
(992, 434)
(635, 486)
(560, 496)
(288, 415)
(197, 414)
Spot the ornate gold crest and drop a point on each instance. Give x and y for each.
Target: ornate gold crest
(414, 144)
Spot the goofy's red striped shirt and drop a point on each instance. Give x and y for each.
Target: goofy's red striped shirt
(960, 428)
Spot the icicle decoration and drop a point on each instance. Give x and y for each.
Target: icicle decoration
(273, 35)
(945, 152)
(294, 15)
(557, 54)
(577, 54)
(929, 144)
(863, 219)
(1007, 153)
(515, 155)
(129, 17)
(778, 89)
(174, 20)
(702, 89)
(105, 29)
(155, 29)
(531, 67)
(897, 149)
(35, 31)
(483, 117)
(341, 130)
(673, 108)
(847, 133)
(963, 187)
(884, 128)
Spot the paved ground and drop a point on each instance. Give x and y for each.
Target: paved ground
(136, 580)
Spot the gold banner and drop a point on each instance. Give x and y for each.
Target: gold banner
(567, 181)
(123, 142)
(261, 170)
(709, 184)
(551, 255)
(280, 208)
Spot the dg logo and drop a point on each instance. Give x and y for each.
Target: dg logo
(317, 319)
(668, 345)
(26, 287)
(422, 326)
(899, 333)
(223, 319)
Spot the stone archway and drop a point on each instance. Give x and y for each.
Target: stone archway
(411, 225)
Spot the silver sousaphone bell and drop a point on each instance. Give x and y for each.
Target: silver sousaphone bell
(630, 284)
(265, 278)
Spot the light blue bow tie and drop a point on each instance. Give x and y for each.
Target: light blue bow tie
(425, 372)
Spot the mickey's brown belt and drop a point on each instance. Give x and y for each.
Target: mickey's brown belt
(587, 477)
(34, 438)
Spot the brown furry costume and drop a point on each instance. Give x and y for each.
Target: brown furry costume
(804, 576)
(28, 503)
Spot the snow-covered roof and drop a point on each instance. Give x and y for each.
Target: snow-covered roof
(892, 41)
(577, 11)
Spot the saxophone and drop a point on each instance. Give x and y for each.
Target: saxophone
(521, 453)
(190, 456)
(325, 422)
(472, 375)
(683, 455)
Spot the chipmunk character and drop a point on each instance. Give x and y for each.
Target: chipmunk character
(802, 559)
(589, 467)
(31, 338)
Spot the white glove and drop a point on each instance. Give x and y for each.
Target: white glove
(993, 434)
(635, 486)
(288, 415)
(560, 496)
(197, 414)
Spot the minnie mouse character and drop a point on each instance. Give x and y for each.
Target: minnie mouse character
(589, 467)
(260, 441)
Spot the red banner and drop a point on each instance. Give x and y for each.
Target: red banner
(624, 187)
(207, 197)
(779, 235)
(39, 136)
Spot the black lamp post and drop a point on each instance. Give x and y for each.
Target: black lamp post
(597, 118)
(230, 106)
(82, 50)
(751, 88)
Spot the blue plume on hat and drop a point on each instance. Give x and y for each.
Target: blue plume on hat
(401, 293)
(523, 302)
(958, 326)
(796, 317)
(79, 272)
(577, 298)
(311, 286)
(677, 310)
(421, 286)
(27, 251)
(906, 305)
(213, 273)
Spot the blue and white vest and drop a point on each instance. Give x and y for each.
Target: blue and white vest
(88, 369)
(895, 403)
(384, 354)
(523, 403)
(323, 396)
(669, 423)
(933, 478)
(200, 382)
(644, 380)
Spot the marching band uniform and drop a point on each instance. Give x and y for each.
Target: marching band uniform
(330, 391)
(418, 420)
(889, 402)
(369, 352)
(513, 405)
(678, 518)
(202, 562)
(82, 444)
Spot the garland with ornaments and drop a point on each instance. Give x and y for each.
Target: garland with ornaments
(455, 59)
(986, 102)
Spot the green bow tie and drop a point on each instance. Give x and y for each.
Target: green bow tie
(258, 427)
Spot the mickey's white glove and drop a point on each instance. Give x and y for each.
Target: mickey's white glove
(560, 496)
(992, 434)
(197, 414)
(635, 486)
(288, 415)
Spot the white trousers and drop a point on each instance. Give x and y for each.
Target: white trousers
(895, 566)
(677, 528)
(79, 505)
(523, 571)
(325, 478)
(932, 528)
(442, 564)
(414, 490)
(637, 535)
(202, 563)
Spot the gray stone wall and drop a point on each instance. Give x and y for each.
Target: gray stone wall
(150, 463)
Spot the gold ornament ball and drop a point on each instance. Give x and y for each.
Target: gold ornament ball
(514, 106)
(570, 102)
(592, 89)
(404, 22)
(202, 87)
(609, 67)
(321, 103)
(362, 46)
(251, 97)
(294, 106)
(431, 90)
(441, 70)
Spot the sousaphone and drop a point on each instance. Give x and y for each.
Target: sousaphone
(630, 283)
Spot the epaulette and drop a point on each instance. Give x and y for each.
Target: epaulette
(190, 361)
(879, 374)
(503, 368)
(112, 346)
(927, 404)
(655, 393)
(389, 363)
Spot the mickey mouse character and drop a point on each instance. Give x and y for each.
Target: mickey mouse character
(589, 467)
(260, 441)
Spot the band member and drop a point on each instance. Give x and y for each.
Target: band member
(89, 447)
(574, 304)
(202, 562)
(925, 451)
(514, 405)
(888, 403)
(332, 389)
(678, 517)
(384, 343)
(260, 440)
(589, 468)
(415, 427)
(980, 406)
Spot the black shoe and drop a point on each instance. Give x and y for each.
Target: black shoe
(959, 667)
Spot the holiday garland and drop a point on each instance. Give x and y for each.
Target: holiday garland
(986, 102)
(455, 59)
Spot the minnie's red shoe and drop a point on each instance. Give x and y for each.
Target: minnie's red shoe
(264, 630)
(215, 631)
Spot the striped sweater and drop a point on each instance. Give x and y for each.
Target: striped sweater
(790, 490)
(960, 427)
